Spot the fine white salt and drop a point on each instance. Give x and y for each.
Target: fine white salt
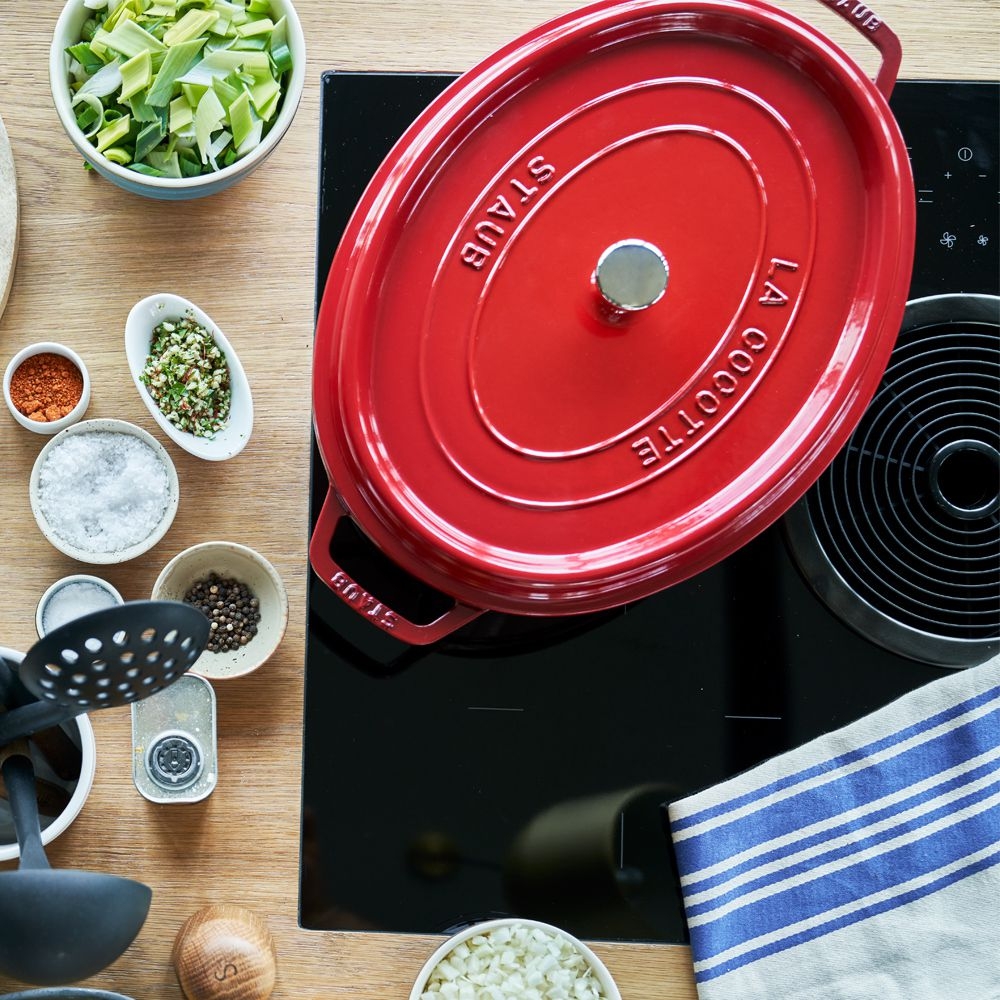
(103, 491)
(72, 600)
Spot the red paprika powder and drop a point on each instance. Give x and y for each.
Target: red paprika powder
(46, 387)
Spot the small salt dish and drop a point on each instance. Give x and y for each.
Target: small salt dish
(125, 488)
(47, 426)
(230, 560)
(142, 320)
(70, 597)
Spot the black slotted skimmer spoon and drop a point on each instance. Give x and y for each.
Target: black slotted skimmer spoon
(105, 659)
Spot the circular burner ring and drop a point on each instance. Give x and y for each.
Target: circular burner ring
(900, 536)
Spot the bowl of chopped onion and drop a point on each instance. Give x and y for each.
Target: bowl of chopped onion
(514, 957)
(175, 101)
(189, 376)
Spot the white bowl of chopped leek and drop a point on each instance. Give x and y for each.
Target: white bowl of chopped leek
(189, 376)
(513, 957)
(172, 100)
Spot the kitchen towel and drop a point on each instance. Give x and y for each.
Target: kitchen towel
(864, 864)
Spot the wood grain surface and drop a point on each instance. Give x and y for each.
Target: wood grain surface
(88, 252)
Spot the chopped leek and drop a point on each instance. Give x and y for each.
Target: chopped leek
(110, 134)
(181, 114)
(148, 139)
(178, 60)
(208, 117)
(136, 74)
(190, 26)
(89, 60)
(178, 88)
(119, 155)
(129, 39)
(90, 117)
(264, 96)
(240, 118)
(104, 82)
(263, 26)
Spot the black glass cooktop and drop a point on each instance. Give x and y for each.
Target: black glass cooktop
(520, 766)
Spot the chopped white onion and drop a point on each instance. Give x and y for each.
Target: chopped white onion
(514, 961)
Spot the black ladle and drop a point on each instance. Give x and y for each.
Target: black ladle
(104, 659)
(58, 925)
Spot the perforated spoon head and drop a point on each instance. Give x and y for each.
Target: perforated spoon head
(115, 656)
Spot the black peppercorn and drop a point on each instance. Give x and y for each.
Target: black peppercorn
(230, 606)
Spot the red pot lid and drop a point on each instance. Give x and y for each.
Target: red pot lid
(613, 302)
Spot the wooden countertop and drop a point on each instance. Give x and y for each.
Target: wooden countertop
(87, 253)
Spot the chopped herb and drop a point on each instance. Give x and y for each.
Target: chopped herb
(187, 375)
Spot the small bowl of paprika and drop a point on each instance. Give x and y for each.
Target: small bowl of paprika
(47, 387)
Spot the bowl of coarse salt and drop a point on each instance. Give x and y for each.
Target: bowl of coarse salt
(73, 596)
(103, 491)
(514, 957)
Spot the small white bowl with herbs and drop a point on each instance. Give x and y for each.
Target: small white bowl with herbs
(189, 376)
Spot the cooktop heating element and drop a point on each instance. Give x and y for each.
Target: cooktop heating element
(520, 766)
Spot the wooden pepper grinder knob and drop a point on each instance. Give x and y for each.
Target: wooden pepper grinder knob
(225, 952)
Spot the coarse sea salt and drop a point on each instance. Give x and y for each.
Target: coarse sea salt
(103, 491)
(72, 600)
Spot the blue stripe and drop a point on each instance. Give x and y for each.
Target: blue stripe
(847, 919)
(851, 826)
(845, 850)
(850, 757)
(789, 906)
(843, 793)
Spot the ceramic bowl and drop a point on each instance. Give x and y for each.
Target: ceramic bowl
(142, 319)
(238, 562)
(47, 426)
(68, 32)
(599, 970)
(101, 502)
(81, 733)
(70, 597)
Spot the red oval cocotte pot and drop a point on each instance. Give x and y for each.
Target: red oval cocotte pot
(505, 430)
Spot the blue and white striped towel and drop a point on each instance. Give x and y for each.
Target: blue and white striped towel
(864, 864)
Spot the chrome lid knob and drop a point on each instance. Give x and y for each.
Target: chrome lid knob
(632, 275)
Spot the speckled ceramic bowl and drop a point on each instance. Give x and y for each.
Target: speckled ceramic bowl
(98, 503)
(68, 32)
(71, 596)
(47, 426)
(143, 318)
(238, 562)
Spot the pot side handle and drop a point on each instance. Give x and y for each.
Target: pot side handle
(366, 604)
(872, 27)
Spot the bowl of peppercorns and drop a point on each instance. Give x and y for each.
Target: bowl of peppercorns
(242, 596)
